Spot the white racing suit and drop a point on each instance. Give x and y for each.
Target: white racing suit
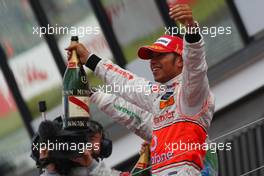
(182, 109)
(139, 121)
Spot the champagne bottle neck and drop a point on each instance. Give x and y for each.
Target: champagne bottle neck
(73, 61)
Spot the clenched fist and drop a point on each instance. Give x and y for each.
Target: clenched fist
(183, 14)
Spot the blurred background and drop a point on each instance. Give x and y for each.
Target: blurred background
(32, 68)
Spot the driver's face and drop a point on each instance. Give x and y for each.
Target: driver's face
(165, 66)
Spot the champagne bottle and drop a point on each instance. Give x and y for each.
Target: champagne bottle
(142, 166)
(75, 93)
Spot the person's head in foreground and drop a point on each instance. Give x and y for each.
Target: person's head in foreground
(165, 57)
(65, 163)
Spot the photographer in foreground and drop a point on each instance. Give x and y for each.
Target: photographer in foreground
(76, 161)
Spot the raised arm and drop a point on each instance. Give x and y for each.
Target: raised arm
(127, 114)
(195, 88)
(194, 91)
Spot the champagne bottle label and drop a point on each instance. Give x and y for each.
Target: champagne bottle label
(78, 106)
(84, 79)
(142, 165)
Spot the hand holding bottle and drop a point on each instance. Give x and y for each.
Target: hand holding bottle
(81, 50)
